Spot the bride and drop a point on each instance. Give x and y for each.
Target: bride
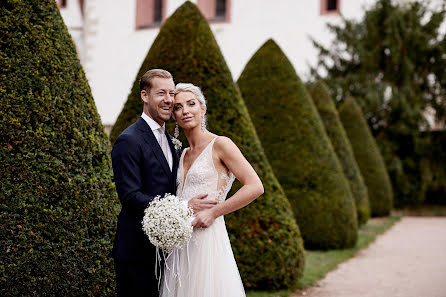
(206, 266)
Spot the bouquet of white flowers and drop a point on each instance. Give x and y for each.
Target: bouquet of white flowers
(167, 222)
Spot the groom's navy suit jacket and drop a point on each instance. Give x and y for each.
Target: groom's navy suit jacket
(141, 172)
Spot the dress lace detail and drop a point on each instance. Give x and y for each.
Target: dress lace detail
(206, 265)
(203, 175)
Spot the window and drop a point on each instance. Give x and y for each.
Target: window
(330, 6)
(81, 5)
(215, 10)
(62, 3)
(149, 13)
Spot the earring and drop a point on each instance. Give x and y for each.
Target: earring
(203, 123)
(176, 132)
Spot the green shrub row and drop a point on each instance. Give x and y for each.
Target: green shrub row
(299, 150)
(335, 131)
(58, 204)
(368, 157)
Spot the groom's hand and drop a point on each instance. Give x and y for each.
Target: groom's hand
(204, 219)
(198, 203)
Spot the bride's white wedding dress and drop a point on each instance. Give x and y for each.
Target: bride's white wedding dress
(205, 267)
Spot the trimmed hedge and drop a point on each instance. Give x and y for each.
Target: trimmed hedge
(265, 238)
(436, 154)
(368, 157)
(58, 204)
(335, 131)
(298, 149)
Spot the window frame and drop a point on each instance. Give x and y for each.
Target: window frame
(324, 8)
(61, 3)
(216, 19)
(140, 24)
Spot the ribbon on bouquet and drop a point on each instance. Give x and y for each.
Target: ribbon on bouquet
(171, 265)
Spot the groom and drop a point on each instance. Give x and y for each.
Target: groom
(145, 165)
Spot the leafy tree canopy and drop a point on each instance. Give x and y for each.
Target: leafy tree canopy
(393, 62)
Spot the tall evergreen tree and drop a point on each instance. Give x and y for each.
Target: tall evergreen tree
(264, 236)
(58, 204)
(299, 150)
(335, 131)
(393, 60)
(368, 157)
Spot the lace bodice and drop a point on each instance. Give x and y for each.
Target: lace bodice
(203, 178)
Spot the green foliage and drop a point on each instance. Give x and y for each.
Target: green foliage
(298, 149)
(436, 154)
(58, 204)
(368, 157)
(335, 131)
(265, 238)
(393, 59)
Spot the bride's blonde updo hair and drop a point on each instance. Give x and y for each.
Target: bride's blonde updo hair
(188, 87)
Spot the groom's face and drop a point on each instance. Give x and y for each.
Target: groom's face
(158, 101)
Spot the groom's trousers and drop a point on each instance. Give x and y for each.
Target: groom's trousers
(135, 278)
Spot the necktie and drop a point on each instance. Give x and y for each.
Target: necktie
(163, 143)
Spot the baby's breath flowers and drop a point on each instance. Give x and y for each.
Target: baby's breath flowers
(167, 222)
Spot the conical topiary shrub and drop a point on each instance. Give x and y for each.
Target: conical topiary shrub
(335, 131)
(58, 205)
(368, 157)
(265, 238)
(298, 149)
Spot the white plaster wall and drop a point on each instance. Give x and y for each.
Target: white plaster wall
(114, 50)
(72, 14)
(289, 23)
(119, 49)
(72, 17)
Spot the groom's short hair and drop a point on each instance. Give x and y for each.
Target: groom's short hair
(145, 83)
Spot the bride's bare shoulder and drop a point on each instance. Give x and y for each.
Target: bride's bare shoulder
(224, 145)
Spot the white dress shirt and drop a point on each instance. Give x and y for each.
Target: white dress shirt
(155, 129)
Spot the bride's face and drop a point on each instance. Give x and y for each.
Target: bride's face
(187, 110)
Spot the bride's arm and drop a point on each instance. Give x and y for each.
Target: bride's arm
(229, 154)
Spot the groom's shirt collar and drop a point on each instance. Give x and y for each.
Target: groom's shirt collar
(155, 126)
(152, 124)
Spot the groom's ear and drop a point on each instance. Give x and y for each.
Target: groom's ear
(144, 96)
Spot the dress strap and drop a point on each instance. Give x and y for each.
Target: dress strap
(213, 140)
(183, 152)
(210, 147)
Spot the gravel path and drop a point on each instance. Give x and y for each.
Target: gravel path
(409, 260)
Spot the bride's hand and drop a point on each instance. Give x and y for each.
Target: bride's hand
(204, 219)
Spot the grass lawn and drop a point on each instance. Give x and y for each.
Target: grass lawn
(319, 263)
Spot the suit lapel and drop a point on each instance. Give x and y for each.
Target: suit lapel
(150, 138)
